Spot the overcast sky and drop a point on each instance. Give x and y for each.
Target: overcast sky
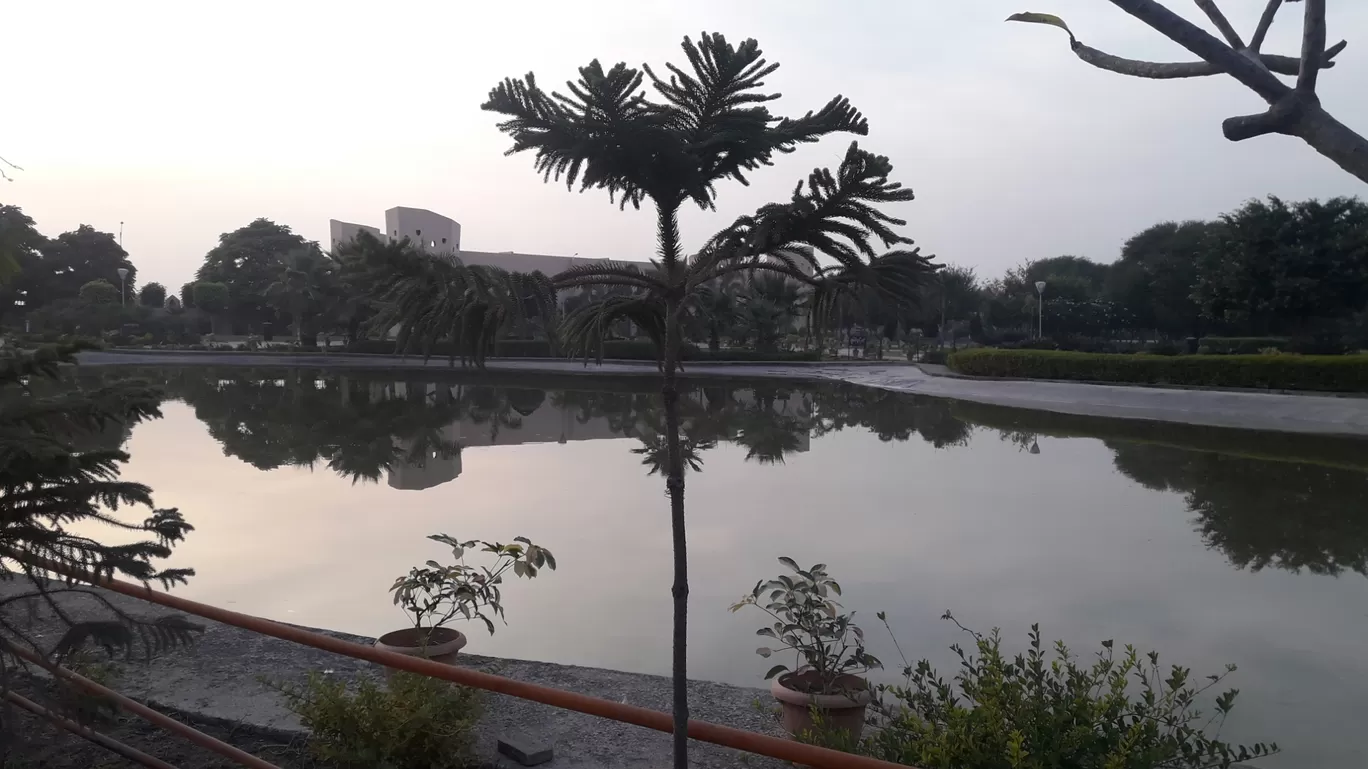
(185, 120)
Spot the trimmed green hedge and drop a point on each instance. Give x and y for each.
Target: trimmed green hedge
(1242, 345)
(618, 349)
(1332, 373)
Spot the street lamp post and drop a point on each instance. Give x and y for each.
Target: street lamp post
(1040, 311)
(123, 286)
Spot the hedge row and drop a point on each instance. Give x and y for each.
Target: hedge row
(1332, 373)
(615, 350)
(1242, 345)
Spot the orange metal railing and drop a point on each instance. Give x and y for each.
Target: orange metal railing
(104, 741)
(190, 733)
(739, 739)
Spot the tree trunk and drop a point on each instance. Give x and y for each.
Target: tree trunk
(674, 483)
(714, 342)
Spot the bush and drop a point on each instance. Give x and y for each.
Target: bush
(1342, 373)
(411, 721)
(1043, 711)
(616, 349)
(935, 356)
(1241, 345)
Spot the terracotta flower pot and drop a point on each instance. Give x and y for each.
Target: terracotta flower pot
(844, 711)
(440, 644)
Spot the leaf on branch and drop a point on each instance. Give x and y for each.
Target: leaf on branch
(1043, 18)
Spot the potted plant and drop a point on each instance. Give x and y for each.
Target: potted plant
(433, 595)
(828, 646)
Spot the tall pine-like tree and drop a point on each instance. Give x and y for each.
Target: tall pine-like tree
(58, 475)
(707, 123)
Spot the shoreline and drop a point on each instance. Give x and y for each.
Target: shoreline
(219, 678)
(1315, 414)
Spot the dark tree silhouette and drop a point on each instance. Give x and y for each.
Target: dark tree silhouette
(709, 125)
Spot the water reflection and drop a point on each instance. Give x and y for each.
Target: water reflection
(1212, 546)
(1279, 501)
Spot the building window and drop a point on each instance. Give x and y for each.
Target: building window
(444, 241)
(432, 244)
(419, 233)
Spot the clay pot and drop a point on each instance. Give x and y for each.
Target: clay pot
(844, 711)
(439, 644)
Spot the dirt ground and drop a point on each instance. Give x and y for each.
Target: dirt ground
(30, 742)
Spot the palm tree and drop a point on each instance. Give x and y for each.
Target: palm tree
(301, 285)
(716, 309)
(709, 124)
(431, 299)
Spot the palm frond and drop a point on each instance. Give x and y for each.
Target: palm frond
(603, 135)
(608, 273)
(835, 214)
(585, 328)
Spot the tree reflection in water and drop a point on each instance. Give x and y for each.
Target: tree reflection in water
(1279, 501)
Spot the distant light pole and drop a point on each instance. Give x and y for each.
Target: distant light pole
(1040, 311)
(123, 286)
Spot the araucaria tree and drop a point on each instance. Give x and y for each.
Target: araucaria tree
(1294, 110)
(706, 124)
(59, 474)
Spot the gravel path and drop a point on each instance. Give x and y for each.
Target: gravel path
(1284, 412)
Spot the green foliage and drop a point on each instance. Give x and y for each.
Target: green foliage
(1045, 711)
(1242, 345)
(436, 301)
(1278, 267)
(99, 292)
(247, 261)
(809, 622)
(152, 295)
(613, 349)
(70, 261)
(432, 595)
(1347, 373)
(411, 721)
(211, 297)
(59, 478)
(303, 284)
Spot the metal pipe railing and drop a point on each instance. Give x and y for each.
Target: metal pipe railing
(726, 736)
(104, 741)
(190, 733)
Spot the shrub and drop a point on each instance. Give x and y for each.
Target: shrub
(410, 721)
(1241, 345)
(1042, 711)
(1340, 373)
(936, 356)
(614, 349)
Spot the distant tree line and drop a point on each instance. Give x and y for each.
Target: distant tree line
(1268, 268)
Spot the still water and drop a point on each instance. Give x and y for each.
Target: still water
(311, 491)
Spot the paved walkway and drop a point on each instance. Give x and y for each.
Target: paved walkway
(1318, 414)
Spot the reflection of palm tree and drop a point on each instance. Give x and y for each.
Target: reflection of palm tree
(655, 455)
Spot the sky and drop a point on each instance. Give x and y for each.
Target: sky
(187, 120)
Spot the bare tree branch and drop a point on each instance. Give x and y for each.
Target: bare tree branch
(1159, 70)
(1222, 23)
(1292, 111)
(1205, 46)
(5, 176)
(1313, 45)
(1265, 23)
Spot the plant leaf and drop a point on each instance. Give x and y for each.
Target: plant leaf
(774, 671)
(1043, 18)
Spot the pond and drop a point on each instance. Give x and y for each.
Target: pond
(310, 491)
